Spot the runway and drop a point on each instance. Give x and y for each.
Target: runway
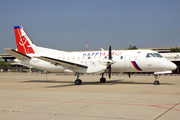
(32, 97)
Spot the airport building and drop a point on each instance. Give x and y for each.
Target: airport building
(165, 52)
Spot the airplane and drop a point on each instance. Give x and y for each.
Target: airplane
(84, 62)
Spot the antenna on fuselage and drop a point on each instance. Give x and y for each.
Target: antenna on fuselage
(86, 45)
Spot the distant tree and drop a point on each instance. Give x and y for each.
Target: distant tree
(132, 47)
(4, 65)
(176, 49)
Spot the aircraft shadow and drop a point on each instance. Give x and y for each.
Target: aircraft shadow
(108, 82)
(47, 81)
(72, 83)
(86, 83)
(51, 81)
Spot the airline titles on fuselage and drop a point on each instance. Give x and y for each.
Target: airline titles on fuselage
(90, 54)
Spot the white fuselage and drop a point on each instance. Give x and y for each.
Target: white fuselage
(123, 61)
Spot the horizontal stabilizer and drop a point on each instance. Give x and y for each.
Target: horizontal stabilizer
(62, 62)
(16, 54)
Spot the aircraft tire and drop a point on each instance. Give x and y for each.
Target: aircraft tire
(78, 82)
(156, 82)
(103, 80)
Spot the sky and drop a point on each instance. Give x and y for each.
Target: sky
(68, 24)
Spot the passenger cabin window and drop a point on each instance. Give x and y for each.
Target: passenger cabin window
(149, 55)
(73, 58)
(158, 55)
(121, 57)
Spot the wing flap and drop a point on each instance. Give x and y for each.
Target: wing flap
(62, 62)
(16, 54)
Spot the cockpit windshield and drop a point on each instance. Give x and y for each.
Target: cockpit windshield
(149, 55)
(157, 55)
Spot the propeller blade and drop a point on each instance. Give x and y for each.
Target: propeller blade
(109, 71)
(110, 59)
(129, 74)
(110, 52)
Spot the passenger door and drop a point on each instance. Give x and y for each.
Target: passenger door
(127, 62)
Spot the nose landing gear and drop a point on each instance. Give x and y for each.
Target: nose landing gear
(156, 82)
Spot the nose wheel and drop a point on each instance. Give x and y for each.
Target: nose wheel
(156, 82)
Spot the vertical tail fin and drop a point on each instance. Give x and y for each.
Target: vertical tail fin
(23, 42)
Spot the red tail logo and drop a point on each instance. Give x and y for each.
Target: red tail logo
(22, 42)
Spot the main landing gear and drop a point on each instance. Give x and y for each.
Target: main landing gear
(156, 82)
(102, 79)
(78, 81)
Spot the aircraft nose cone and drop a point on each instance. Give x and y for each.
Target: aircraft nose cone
(173, 66)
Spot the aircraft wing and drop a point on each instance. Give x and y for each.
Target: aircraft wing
(16, 54)
(62, 63)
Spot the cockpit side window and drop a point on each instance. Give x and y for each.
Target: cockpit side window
(157, 55)
(150, 55)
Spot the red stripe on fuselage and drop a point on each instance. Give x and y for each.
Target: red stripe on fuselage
(135, 66)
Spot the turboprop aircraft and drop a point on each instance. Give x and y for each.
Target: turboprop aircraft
(88, 61)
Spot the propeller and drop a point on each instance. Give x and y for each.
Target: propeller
(110, 57)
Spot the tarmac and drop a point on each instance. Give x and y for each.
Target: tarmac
(29, 96)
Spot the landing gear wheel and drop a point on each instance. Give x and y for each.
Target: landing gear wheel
(78, 82)
(103, 80)
(156, 82)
